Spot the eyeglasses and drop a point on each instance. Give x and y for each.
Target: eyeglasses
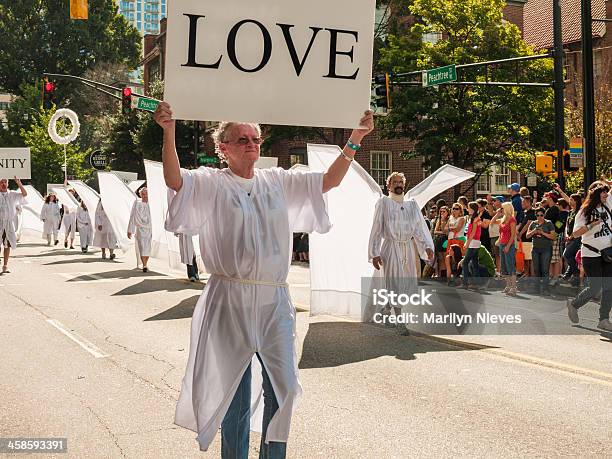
(456, 208)
(243, 141)
(539, 215)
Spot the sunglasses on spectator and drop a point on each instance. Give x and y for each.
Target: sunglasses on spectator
(539, 214)
(242, 141)
(456, 208)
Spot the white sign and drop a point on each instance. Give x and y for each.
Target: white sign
(126, 177)
(271, 61)
(266, 162)
(15, 162)
(532, 180)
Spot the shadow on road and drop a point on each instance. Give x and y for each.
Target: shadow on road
(331, 344)
(51, 253)
(118, 274)
(183, 310)
(86, 258)
(156, 285)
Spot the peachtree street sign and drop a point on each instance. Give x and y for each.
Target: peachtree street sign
(98, 160)
(440, 75)
(144, 103)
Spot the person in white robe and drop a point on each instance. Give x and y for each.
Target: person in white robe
(51, 217)
(104, 237)
(140, 226)
(397, 223)
(84, 227)
(8, 202)
(188, 257)
(69, 225)
(245, 218)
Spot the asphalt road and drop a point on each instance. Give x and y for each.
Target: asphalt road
(94, 351)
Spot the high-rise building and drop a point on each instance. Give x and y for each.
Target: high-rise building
(145, 15)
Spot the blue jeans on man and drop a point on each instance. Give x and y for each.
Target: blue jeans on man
(236, 424)
(541, 257)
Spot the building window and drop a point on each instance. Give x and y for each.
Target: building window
(502, 179)
(380, 166)
(432, 37)
(483, 186)
(597, 62)
(297, 156)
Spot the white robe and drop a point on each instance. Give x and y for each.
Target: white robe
(186, 248)
(140, 226)
(69, 222)
(84, 227)
(247, 240)
(50, 214)
(394, 227)
(104, 238)
(8, 203)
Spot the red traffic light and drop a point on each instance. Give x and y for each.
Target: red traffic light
(127, 92)
(49, 86)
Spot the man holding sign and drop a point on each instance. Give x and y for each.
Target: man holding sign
(245, 218)
(8, 202)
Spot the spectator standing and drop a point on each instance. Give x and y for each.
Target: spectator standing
(517, 204)
(543, 233)
(470, 258)
(529, 216)
(507, 246)
(485, 221)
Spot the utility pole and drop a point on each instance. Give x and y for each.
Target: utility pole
(559, 88)
(588, 96)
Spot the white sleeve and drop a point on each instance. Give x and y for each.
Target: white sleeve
(376, 232)
(43, 212)
(306, 203)
(189, 209)
(132, 222)
(422, 236)
(580, 219)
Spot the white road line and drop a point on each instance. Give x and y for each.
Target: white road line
(85, 344)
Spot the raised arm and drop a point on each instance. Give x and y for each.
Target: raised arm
(24, 193)
(172, 167)
(336, 172)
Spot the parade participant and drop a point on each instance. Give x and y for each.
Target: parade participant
(8, 201)
(140, 226)
(69, 225)
(594, 224)
(52, 218)
(105, 235)
(245, 218)
(396, 223)
(84, 227)
(188, 257)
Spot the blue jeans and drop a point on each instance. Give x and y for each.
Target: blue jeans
(508, 260)
(571, 249)
(235, 427)
(541, 257)
(470, 264)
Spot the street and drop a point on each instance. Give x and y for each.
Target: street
(94, 351)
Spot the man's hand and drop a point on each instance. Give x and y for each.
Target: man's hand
(129, 235)
(366, 125)
(163, 116)
(430, 254)
(377, 262)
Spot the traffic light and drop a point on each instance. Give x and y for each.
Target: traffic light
(381, 99)
(126, 101)
(48, 94)
(545, 163)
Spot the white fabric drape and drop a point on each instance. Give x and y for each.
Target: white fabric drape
(88, 195)
(31, 223)
(70, 207)
(117, 200)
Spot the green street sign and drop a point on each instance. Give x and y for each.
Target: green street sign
(203, 159)
(440, 75)
(150, 105)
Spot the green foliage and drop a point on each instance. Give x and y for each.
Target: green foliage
(472, 127)
(48, 157)
(39, 36)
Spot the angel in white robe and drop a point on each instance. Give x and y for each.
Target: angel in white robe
(8, 202)
(188, 257)
(51, 217)
(396, 224)
(69, 225)
(140, 226)
(83, 222)
(245, 218)
(105, 235)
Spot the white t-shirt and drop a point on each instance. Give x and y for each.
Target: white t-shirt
(600, 237)
(244, 183)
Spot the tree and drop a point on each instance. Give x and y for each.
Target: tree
(48, 157)
(472, 127)
(39, 36)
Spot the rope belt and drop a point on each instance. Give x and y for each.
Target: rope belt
(404, 247)
(251, 281)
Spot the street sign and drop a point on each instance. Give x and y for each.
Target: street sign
(576, 153)
(532, 180)
(144, 103)
(98, 160)
(440, 75)
(203, 159)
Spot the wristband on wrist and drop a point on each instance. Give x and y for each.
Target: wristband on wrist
(347, 157)
(352, 145)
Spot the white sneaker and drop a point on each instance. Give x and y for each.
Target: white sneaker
(572, 312)
(605, 325)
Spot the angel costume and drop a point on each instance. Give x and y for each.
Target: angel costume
(245, 308)
(104, 238)
(51, 215)
(84, 226)
(140, 226)
(396, 223)
(8, 202)
(18, 220)
(69, 222)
